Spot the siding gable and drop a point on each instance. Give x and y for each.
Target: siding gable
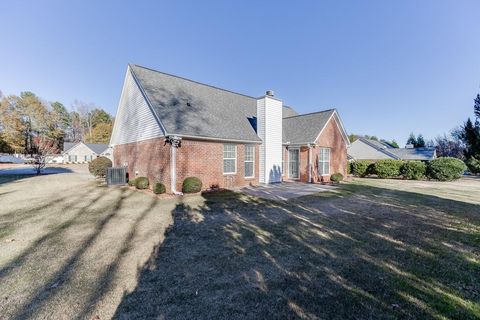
(135, 120)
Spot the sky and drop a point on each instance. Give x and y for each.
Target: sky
(389, 67)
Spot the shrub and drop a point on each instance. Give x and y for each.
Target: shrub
(387, 168)
(413, 170)
(191, 185)
(445, 169)
(359, 167)
(141, 182)
(473, 165)
(98, 166)
(158, 188)
(131, 182)
(336, 177)
(349, 168)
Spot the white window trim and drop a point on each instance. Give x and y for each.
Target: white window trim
(329, 161)
(223, 155)
(288, 164)
(252, 161)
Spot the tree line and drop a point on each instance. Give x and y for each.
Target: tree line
(27, 119)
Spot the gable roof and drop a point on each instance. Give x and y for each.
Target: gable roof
(305, 128)
(193, 109)
(414, 153)
(393, 153)
(97, 148)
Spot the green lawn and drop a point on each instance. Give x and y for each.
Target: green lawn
(374, 249)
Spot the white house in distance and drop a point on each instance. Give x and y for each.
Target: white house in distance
(85, 152)
(367, 149)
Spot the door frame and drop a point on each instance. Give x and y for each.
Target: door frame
(298, 164)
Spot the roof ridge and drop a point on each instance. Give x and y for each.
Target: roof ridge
(194, 81)
(310, 113)
(384, 150)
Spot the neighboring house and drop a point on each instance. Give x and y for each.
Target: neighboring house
(168, 128)
(367, 149)
(84, 152)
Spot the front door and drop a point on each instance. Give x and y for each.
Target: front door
(294, 163)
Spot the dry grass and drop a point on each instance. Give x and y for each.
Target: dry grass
(365, 252)
(368, 251)
(70, 249)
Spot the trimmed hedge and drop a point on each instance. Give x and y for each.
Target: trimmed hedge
(191, 185)
(336, 177)
(387, 168)
(446, 169)
(158, 188)
(360, 167)
(131, 182)
(98, 166)
(413, 170)
(141, 182)
(473, 165)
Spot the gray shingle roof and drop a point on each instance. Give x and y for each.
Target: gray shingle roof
(68, 145)
(97, 148)
(288, 112)
(191, 108)
(414, 153)
(394, 153)
(305, 128)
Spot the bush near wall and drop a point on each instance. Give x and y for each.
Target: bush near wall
(158, 188)
(446, 169)
(360, 167)
(141, 182)
(98, 166)
(336, 177)
(131, 182)
(387, 168)
(191, 185)
(413, 170)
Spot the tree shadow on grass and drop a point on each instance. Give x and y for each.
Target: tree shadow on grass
(360, 254)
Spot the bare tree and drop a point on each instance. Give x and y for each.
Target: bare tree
(45, 148)
(85, 113)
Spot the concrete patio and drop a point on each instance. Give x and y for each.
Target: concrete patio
(285, 190)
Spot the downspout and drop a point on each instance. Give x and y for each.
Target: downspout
(175, 142)
(309, 163)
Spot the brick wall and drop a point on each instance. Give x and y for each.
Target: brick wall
(148, 158)
(202, 159)
(331, 137)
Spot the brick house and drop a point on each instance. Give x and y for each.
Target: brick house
(168, 128)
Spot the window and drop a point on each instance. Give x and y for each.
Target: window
(229, 158)
(324, 161)
(249, 161)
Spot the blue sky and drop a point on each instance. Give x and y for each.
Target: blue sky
(390, 68)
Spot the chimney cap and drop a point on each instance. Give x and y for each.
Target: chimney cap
(269, 93)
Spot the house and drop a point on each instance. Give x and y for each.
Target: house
(168, 128)
(85, 152)
(367, 149)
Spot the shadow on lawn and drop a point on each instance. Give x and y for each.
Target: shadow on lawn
(48, 290)
(364, 253)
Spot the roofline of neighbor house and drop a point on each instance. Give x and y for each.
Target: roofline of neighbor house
(385, 151)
